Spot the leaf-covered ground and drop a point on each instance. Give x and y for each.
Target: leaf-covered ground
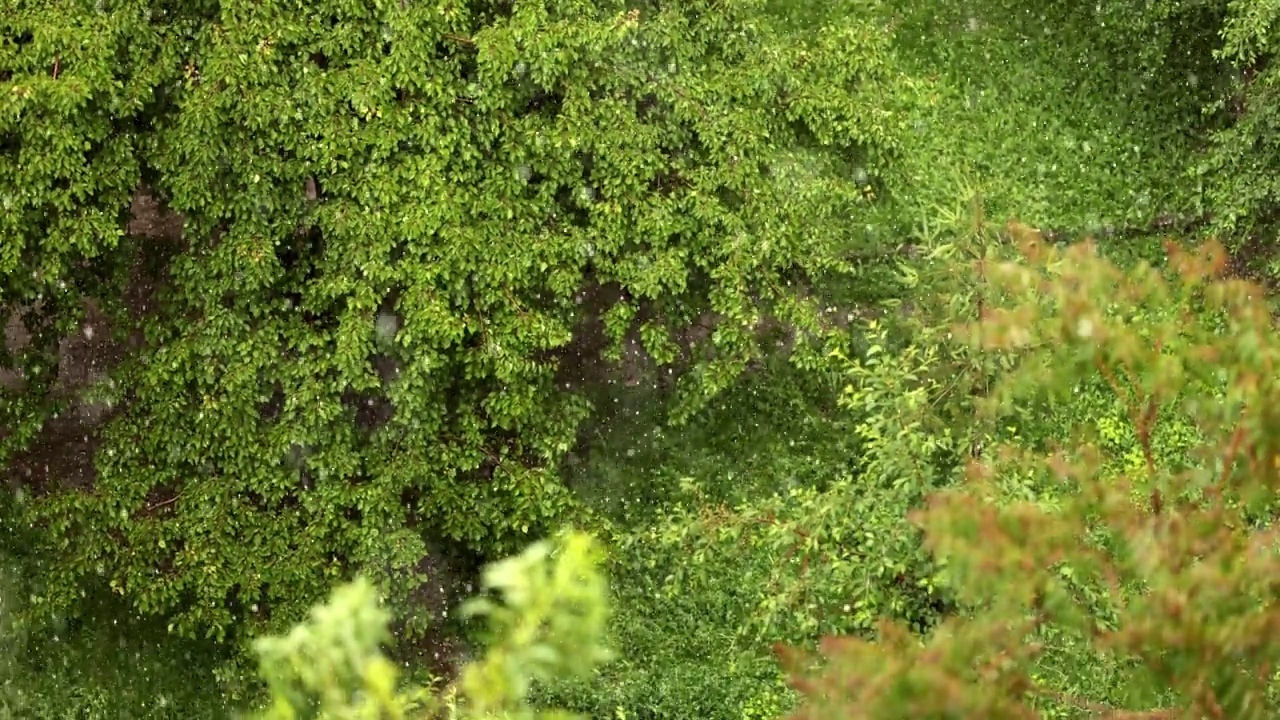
(1022, 106)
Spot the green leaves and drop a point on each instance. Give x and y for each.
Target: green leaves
(389, 211)
(547, 619)
(1153, 570)
(550, 625)
(1248, 30)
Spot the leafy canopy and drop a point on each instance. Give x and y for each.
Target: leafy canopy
(393, 213)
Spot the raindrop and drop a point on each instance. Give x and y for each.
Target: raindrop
(386, 325)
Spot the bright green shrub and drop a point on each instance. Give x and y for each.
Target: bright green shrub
(391, 210)
(548, 621)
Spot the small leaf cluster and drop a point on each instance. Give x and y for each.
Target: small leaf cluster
(547, 619)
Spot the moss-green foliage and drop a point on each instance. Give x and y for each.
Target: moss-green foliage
(108, 665)
(1024, 102)
(681, 653)
(329, 378)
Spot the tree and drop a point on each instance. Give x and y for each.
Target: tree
(392, 211)
(1165, 574)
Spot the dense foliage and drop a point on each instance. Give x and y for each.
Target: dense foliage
(393, 213)
(1162, 573)
(299, 292)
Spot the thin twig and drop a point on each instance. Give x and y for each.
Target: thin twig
(162, 503)
(1230, 459)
